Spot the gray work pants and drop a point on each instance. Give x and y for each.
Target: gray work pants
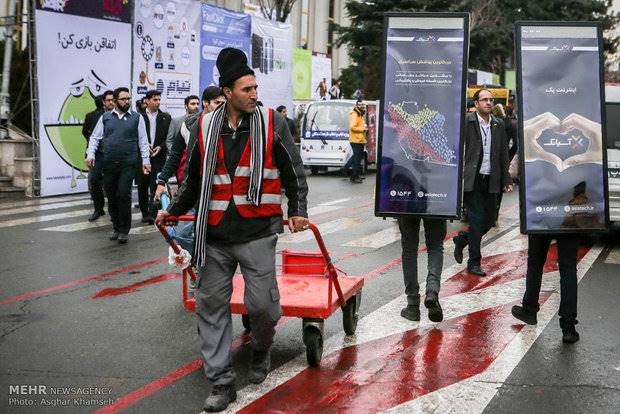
(434, 232)
(262, 299)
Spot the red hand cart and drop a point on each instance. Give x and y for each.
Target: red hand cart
(309, 289)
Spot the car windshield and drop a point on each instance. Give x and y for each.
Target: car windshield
(328, 117)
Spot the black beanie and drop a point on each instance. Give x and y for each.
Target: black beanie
(232, 64)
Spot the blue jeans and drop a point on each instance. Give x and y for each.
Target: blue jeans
(183, 234)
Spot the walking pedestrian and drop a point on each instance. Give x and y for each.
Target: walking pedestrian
(434, 233)
(357, 139)
(104, 103)
(322, 88)
(291, 124)
(192, 106)
(485, 175)
(157, 125)
(122, 133)
(334, 91)
(212, 97)
(239, 160)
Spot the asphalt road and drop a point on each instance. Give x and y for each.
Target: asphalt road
(103, 325)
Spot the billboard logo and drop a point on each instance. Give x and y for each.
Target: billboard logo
(56, 5)
(393, 193)
(420, 194)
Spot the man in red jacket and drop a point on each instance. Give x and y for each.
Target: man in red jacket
(241, 157)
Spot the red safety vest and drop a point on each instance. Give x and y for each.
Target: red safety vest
(223, 189)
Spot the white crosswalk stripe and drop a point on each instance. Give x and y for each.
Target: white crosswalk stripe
(41, 201)
(324, 228)
(44, 207)
(85, 225)
(377, 240)
(40, 219)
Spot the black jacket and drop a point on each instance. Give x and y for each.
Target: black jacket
(161, 132)
(233, 228)
(499, 176)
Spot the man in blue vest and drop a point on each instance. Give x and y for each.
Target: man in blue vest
(240, 156)
(122, 132)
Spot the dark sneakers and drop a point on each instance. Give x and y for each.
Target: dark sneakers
(476, 270)
(569, 333)
(114, 235)
(221, 396)
(96, 214)
(123, 238)
(259, 368)
(435, 314)
(411, 312)
(524, 315)
(459, 245)
(148, 219)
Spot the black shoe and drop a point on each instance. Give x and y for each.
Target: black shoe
(524, 315)
(435, 314)
(356, 180)
(569, 333)
(221, 396)
(96, 214)
(411, 312)
(148, 219)
(476, 270)
(123, 238)
(114, 235)
(459, 245)
(259, 368)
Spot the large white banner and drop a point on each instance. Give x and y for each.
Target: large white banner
(272, 61)
(321, 69)
(78, 58)
(166, 51)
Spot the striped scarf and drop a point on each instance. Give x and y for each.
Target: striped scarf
(210, 138)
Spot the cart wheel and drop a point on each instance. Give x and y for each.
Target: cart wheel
(349, 316)
(245, 319)
(313, 339)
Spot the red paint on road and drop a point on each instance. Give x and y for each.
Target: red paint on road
(135, 287)
(77, 282)
(381, 374)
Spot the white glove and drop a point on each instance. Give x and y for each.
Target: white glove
(181, 260)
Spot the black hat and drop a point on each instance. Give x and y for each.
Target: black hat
(232, 64)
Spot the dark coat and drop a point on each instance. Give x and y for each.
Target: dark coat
(161, 133)
(90, 121)
(473, 154)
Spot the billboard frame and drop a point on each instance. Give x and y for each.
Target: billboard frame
(465, 64)
(519, 74)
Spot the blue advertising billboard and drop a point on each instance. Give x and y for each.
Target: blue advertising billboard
(420, 146)
(561, 128)
(221, 28)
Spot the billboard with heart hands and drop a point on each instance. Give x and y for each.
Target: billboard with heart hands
(563, 157)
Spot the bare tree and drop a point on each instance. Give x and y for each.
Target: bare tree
(276, 9)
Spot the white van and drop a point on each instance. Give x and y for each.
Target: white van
(325, 134)
(612, 118)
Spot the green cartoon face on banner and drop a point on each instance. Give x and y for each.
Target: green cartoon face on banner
(66, 136)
